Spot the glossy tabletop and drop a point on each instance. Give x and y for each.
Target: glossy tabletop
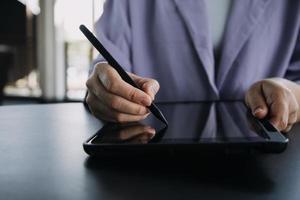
(41, 157)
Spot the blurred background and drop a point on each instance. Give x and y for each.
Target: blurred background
(43, 55)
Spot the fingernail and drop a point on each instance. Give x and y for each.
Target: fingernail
(154, 89)
(257, 110)
(150, 130)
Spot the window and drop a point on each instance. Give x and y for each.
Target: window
(58, 52)
(78, 51)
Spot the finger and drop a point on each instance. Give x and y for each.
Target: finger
(288, 128)
(115, 102)
(279, 114)
(143, 138)
(256, 101)
(101, 111)
(294, 110)
(293, 117)
(106, 113)
(96, 108)
(133, 131)
(113, 82)
(148, 85)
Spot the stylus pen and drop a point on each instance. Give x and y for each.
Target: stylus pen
(111, 61)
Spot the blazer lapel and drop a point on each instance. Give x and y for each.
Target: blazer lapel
(241, 23)
(194, 16)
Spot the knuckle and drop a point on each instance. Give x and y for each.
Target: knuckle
(253, 102)
(282, 124)
(140, 110)
(280, 93)
(132, 94)
(253, 91)
(257, 85)
(288, 128)
(112, 85)
(110, 73)
(285, 93)
(92, 88)
(146, 85)
(99, 67)
(292, 121)
(294, 112)
(108, 80)
(88, 99)
(119, 117)
(115, 103)
(293, 117)
(89, 83)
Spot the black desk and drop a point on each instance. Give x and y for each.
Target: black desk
(42, 158)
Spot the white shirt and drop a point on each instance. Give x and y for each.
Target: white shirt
(218, 12)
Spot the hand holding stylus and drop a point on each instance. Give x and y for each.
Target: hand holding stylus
(113, 80)
(112, 99)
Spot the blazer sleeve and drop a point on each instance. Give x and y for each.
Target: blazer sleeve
(293, 71)
(114, 32)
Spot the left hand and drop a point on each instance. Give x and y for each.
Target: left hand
(273, 98)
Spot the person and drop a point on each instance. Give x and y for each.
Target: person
(195, 50)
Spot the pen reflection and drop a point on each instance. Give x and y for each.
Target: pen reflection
(195, 122)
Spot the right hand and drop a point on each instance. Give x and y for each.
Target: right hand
(133, 133)
(110, 98)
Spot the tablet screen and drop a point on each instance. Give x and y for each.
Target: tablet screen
(188, 123)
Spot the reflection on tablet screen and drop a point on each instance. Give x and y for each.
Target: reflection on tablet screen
(188, 123)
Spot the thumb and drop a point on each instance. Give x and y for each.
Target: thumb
(256, 101)
(148, 85)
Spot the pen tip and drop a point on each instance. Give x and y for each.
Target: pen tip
(163, 119)
(158, 114)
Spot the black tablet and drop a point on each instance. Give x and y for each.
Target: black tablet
(194, 129)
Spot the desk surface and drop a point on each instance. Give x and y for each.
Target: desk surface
(42, 158)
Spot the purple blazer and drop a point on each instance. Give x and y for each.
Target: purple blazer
(169, 40)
